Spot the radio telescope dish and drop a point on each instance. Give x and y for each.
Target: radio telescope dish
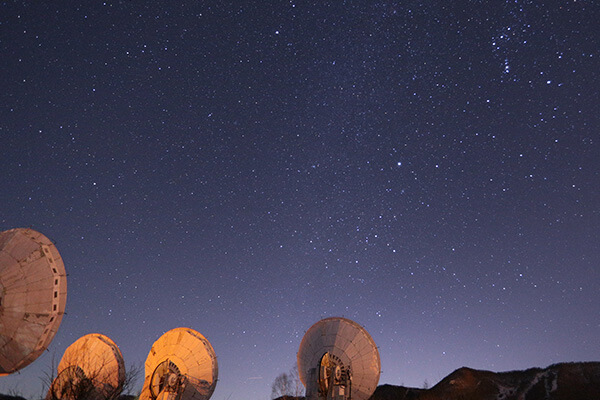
(91, 368)
(181, 365)
(338, 359)
(33, 295)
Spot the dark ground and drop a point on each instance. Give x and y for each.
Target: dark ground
(7, 397)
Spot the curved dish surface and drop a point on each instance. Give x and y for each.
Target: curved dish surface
(91, 367)
(33, 296)
(350, 345)
(183, 355)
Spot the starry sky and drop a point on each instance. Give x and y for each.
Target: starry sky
(427, 169)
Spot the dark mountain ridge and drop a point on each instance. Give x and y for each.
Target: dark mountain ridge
(563, 381)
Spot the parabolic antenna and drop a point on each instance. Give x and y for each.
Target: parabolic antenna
(181, 365)
(91, 368)
(338, 359)
(33, 294)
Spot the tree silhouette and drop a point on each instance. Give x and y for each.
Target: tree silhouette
(287, 384)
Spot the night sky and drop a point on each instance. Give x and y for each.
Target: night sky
(429, 170)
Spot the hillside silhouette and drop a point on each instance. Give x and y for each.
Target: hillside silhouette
(564, 381)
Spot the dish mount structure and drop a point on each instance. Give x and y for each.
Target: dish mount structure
(33, 295)
(338, 360)
(181, 365)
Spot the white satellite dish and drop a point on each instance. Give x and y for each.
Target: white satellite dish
(181, 365)
(91, 368)
(33, 295)
(338, 360)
